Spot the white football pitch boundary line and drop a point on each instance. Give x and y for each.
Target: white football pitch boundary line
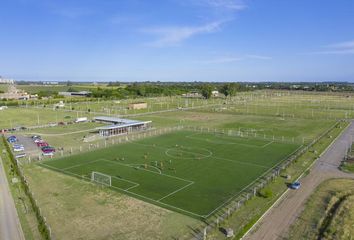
(175, 191)
(158, 201)
(78, 165)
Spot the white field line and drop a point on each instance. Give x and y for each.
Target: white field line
(203, 216)
(232, 143)
(166, 175)
(125, 180)
(129, 192)
(139, 164)
(78, 165)
(127, 189)
(198, 154)
(238, 193)
(286, 191)
(175, 191)
(242, 163)
(267, 144)
(205, 156)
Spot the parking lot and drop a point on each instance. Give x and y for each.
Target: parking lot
(30, 148)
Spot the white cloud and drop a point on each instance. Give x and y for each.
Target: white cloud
(341, 48)
(259, 57)
(172, 36)
(229, 59)
(342, 45)
(73, 12)
(234, 5)
(221, 60)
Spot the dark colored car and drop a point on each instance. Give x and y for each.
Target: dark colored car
(48, 149)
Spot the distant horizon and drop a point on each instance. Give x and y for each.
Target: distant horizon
(245, 82)
(178, 40)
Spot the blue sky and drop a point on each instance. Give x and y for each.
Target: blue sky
(177, 40)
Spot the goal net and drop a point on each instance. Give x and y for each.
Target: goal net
(101, 178)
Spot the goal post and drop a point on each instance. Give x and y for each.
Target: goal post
(101, 178)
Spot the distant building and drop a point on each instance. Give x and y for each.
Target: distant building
(51, 83)
(15, 94)
(193, 94)
(6, 81)
(138, 105)
(120, 126)
(215, 93)
(59, 105)
(75, 94)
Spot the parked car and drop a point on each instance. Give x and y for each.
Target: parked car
(35, 137)
(19, 149)
(48, 153)
(42, 144)
(38, 140)
(48, 149)
(20, 155)
(12, 139)
(17, 145)
(295, 185)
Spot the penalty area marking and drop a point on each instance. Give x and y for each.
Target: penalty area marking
(132, 193)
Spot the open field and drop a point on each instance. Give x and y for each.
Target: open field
(348, 165)
(292, 104)
(328, 213)
(71, 189)
(14, 117)
(3, 87)
(245, 217)
(80, 210)
(120, 107)
(191, 172)
(60, 88)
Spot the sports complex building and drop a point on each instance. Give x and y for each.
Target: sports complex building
(120, 126)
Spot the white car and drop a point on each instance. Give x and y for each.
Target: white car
(20, 155)
(48, 154)
(19, 149)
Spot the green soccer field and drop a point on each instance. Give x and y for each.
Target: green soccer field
(190, 172)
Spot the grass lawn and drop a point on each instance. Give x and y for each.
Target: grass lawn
(190, 172)
(14, 117)
(329, 212)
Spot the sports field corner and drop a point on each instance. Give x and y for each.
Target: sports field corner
(195, 173)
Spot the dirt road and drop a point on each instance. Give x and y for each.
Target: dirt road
(275, 224)
(10, 228)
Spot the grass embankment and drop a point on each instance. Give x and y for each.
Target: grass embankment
(23, 205)
(246, 216)
(348, 164)
(329, 212)
(80, 210)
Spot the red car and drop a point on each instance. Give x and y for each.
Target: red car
(42, 144)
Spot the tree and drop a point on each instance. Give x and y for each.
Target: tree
(230, 89)
(206, 91)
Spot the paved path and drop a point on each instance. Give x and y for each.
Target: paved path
(10, 228)
(275, 224)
